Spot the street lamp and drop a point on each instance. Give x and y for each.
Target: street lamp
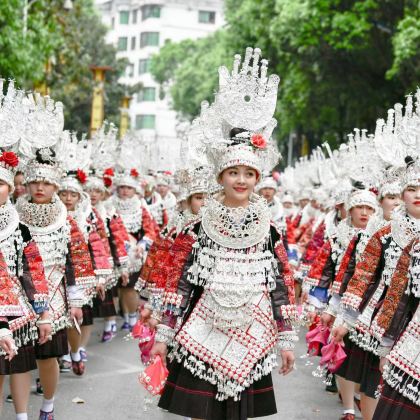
(68, 5)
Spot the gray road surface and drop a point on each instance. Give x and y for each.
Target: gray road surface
(110, 391)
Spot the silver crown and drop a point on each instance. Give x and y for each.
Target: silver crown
(72, 153)
(247, 97)
(246, 100)
(12, 114)
(399, 135)
(104, 148)
(43, 124)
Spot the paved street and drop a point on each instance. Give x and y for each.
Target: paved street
(110, 390)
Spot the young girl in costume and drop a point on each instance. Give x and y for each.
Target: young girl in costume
(229, 293)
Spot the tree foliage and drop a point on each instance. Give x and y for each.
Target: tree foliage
(342, 62)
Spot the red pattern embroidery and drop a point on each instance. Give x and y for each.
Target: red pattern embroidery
(343, 266)
(100, 257)
(149, 225)
(321, 260)
(154, 270)
(364, 274)
(7, 296)
(100, 227)
(159, 275)
(80, 256)
(120, 238)
(36, 269)
(286, 271)
(396, 290)
(314, 245)
(177, 258)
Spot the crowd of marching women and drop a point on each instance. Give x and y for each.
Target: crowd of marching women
(215, 268)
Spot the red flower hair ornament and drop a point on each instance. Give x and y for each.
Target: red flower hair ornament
(10, 159)
(109, 172)
(258, 141)
(107, 181)
(81, 176)
(134, 173)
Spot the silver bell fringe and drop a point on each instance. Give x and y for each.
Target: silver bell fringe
(22, 335)
(365, 341)
(405, 384)
(226, 387)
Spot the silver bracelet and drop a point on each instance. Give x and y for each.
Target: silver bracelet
(164, 334)
(287, 340)
(43, 322)
(383, 351)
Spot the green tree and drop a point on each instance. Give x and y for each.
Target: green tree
(342, 62)
(23, 57)
(195, 75)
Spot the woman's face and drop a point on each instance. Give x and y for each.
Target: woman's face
(388, 203)
(96, 196)
(238, 183)
(20, 188)
(268, 194)
(4, 192)
(41, 192)
(125, 192)
(70, 199)
(162, 190)
(196, 202)
(411, 198)
(360, 216)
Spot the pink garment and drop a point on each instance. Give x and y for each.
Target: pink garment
(154, 377)
(333, 356)
(315, 338)
(146, 337)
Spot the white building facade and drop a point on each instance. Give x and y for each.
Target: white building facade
(138, 28)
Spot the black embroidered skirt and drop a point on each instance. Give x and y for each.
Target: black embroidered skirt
(23, 362)
(394, 406)
(57, 347)
(105, 308)
(352, 367)
(361, 367)
(187, 395)
(371, 377)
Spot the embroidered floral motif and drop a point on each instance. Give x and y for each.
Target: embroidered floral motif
(317, 268)
(394, 294)
(80, 256)
(336, 286)
(365, 270)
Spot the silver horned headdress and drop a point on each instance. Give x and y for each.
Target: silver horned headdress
(236, 129)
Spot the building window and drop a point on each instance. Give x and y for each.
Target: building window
(122, 43)
(150, 11)
(134, 19)
(145, 122)
(206, 17)
(144, 66)
(149, 39)
(124, 17)
(129, 70)
(133, 42)
(147, 94)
